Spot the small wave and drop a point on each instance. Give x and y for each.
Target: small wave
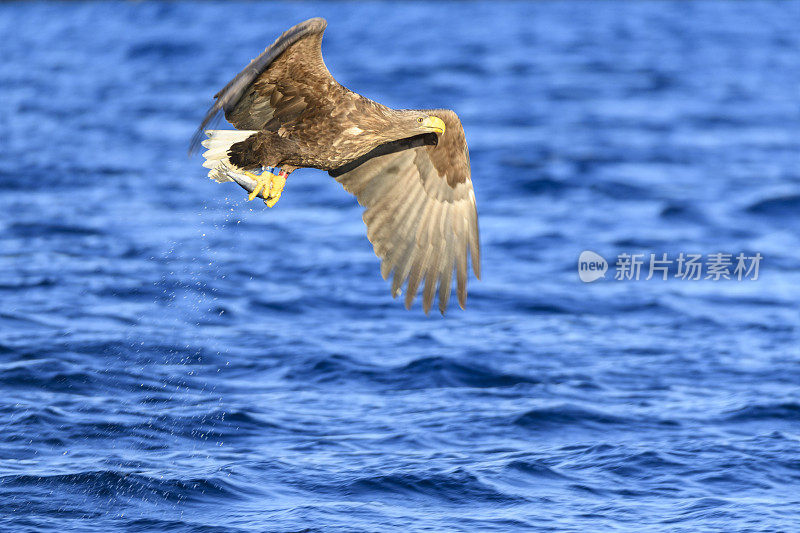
(446, 372)
(28, 283)
(622, 191)
(781, 206)
(535, 469)
(48, 375)
(642, 465)
(568, 415)
(43, 229)
(111, 483)
(542, 186)
(155, 524)
(771, 411)
(217, 425)
(427, 372)
(682, 212)
(160, 50)
(458, 486)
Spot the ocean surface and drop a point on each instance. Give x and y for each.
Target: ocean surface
(175, 358)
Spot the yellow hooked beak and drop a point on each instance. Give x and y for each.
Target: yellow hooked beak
(433, 124)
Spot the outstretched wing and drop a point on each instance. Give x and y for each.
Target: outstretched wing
(287, 80)
(420, 213)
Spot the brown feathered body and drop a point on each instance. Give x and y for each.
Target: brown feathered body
(319, 139)
(416, 185)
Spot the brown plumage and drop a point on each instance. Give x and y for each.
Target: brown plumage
(408, 168)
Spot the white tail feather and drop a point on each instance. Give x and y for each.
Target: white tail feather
(218, 144)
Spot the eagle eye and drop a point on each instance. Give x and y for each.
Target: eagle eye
(420, 119)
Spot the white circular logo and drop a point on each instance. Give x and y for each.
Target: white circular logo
(591, 266)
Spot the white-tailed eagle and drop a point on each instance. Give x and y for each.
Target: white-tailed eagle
(409, 168)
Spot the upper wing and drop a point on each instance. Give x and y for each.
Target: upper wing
(277, 86)
(420, 213)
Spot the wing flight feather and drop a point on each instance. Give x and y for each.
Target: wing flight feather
(420, 215)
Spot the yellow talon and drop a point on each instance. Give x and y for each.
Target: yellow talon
(275, 190)
(271, 184)
(262, 182)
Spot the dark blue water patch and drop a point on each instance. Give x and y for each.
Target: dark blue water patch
(51, 375)
(32, 230)
(160, 50)
(149, 524)
(683, 212)
(27, 283)
(105, 485)
(622, 191)
(786, 411)
(781, 206)
(535, 470)
(218, 425)
(438, 371)
(544, 186)
(574, 417)
(458, 487)
(423, 373)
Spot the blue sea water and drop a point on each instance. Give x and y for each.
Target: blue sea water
(174, 358)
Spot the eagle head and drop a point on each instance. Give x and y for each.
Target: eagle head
(429, 124)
